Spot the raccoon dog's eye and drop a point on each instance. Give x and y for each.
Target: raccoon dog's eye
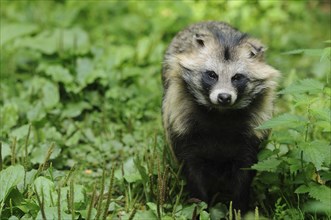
(238, 77)
(211, 74)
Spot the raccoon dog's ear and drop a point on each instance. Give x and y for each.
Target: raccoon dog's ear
(199, 39)
(256, 48)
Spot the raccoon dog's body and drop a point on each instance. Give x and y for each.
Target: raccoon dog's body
(217, 90)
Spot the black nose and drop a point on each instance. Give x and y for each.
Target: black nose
(224, 98)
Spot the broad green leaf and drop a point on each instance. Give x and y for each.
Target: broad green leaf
(144, 215)
(326, 54)
(269, 165)
(6, 150)
(20, 132)
(51, 95)
(39, 153)
(318, 207)
(75, 109)
(59, 74)
(84, 69)
(74, 139)
(153, 207)
(79, 195)
(93, 213)
(309, 52)
(324, 114)
(321, 193)
(131, 173)
(11, 31)
(205, 216)
(325, 126)
(316, 152)
(46, 187)
(311, 86)
(218, 211)
(9, 178)
(45, 42)
(143, 48)
(52, 213)
(74, 40)
(36, 113)
(284, 121)
(8, 115)
(294, 164)
(302, 189)
(188, 211)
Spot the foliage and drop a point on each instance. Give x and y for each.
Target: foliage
(81, 133)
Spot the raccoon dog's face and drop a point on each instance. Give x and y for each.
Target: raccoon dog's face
(225, 70)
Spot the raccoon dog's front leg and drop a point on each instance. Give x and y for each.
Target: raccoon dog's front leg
(242, 183)
(241, 190)
(195, 180)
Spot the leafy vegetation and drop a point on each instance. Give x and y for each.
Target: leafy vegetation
(81, 134)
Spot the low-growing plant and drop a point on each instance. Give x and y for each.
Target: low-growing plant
(80, 127)
(294, 167)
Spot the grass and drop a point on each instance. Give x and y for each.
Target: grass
(81, 134)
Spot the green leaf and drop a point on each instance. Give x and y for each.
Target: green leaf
(9, 32)
(315, 152)
(188, 211)
(269, 165)
(294, 164)
(52, 213)
(45, 42)
(46, 187)
(311, 86)
(74, 109)
(84, 69)
(74, 139)
(79, 195)
(323, 114)
(318, 207)
(143, 48)
(205, 216)
(321, 193)
(49, 42)
(131, 173)
(326, 55)
(9, 178)
(153, 207)
(6, 150)
(20, 132)
(302, 189)
(284, 121)
(309, 52)
(8, 115)
(144, 215)
(51, 95)
(218, 211)
(36, 113)
(39, 153)
(59, 74)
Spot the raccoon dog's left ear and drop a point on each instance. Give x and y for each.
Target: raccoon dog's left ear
(256, 48)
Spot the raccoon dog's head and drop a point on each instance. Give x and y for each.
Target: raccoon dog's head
(222, 67)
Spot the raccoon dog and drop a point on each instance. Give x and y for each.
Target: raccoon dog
(217, 90)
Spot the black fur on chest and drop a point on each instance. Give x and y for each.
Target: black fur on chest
(215, 151)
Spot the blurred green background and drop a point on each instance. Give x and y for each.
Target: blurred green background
(86, 76)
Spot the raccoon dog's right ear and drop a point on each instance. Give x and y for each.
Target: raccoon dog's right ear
(199, 39)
